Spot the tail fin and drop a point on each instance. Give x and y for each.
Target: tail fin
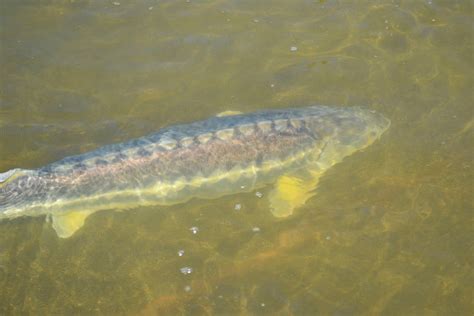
(10, 194)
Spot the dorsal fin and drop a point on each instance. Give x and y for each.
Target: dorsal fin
(5, 175)
(228, 113)
(8, 176)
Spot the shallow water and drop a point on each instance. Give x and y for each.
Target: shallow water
(390, 228)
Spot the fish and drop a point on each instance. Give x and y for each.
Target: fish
(232, 152)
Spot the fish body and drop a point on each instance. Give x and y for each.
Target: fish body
(222, 155)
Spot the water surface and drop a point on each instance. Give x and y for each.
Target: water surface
(390, 229)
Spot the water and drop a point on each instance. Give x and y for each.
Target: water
(390, 228)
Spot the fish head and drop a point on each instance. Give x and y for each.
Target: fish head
(360, 128)
(346, 130)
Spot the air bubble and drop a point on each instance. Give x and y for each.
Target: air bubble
(186, 270)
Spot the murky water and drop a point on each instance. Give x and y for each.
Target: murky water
(390, 229)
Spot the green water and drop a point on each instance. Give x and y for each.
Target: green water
(390, 230)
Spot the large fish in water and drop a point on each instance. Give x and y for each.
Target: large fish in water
(222, 155)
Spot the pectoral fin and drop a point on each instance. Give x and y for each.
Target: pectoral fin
(67, 224)
(292, 191)
(228, 113)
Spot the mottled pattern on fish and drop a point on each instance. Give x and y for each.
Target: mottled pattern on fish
(183, 153)
(211, 136)
(201, 159)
